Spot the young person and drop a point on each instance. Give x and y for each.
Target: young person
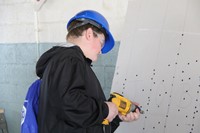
(71, 98)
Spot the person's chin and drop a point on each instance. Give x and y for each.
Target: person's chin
(95, 59)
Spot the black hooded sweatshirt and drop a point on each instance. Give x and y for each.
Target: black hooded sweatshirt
(71, 98)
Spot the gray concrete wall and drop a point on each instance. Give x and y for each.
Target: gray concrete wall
(22, 25)
(17, 72)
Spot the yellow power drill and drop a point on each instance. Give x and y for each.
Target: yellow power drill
(124, 105)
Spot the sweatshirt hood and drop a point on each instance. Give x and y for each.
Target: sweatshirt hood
(58, 51)
(44, 61)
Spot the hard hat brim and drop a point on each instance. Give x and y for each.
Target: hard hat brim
(109, 43)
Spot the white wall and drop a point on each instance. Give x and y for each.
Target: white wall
(18, 18)
(158, 65)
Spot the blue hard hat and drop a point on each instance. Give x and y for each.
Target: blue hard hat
(98, 20)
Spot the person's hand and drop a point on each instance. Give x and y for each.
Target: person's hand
(132, 116)
(113, 111)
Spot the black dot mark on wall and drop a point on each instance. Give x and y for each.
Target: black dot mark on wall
(177, 53)
(180, 44)
(193, 125)
(177, 125)
(136, 75)
(168, 64)
(188, 63)
(182, 34)
(196, 60)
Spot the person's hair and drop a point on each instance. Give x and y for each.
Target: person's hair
(76, 32)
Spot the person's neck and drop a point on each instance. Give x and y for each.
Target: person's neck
(80, 43)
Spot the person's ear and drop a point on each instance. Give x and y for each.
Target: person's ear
(89, 33)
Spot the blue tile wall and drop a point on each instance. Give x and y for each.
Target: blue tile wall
(17, 72)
